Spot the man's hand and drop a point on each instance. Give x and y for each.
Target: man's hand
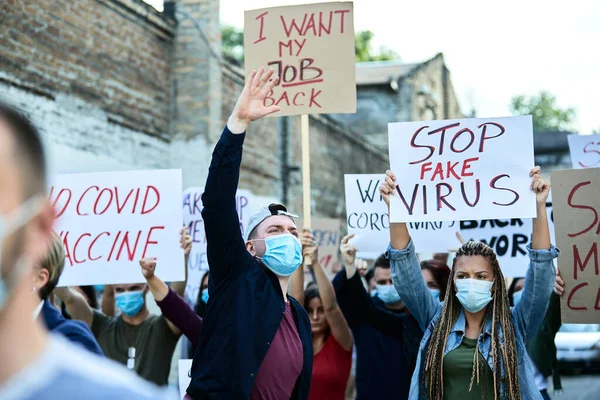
(309, 246)
(559, 284)
(148, 267)
(251, 103)
(387, 188)
(185, 241)
(348, 251)
(540, 186)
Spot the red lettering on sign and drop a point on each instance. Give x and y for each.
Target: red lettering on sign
(157, 200)
(577, 264)
(262, 26)
(92, 246)
(148, 239)
(582, 207)
(81, 198)
(483, 133)
(575, 289)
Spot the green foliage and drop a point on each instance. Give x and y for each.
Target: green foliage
(364, 52)
(547, 116)
(232, 41)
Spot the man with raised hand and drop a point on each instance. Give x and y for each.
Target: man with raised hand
(256, 340)
(34, 364)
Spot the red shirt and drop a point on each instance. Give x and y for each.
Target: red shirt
(331, 368)
(281, 367)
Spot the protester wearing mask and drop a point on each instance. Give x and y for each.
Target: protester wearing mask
(35, 365)
(386, 336)
(436, 273)
(541, 348)
(475, 314)
(45, 276)
(255, 341)
(331, 337)
(141, 341)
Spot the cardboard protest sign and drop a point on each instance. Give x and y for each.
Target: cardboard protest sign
(508, 238)
(585, 151)
(367, 219)
(108, 221)
(328, 238)
(311, 48)
(192, 218)
(576, 203)
(462, 169)
(185, 376)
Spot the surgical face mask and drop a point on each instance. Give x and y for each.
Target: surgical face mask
(8, 225)
(283, 255)
(388, 294)
(517, 297)
(205, 295)
(130, 302)
(474, 294)
(436, 294)
(373, 292)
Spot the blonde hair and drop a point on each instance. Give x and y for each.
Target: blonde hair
(503, 354)
(53, 262)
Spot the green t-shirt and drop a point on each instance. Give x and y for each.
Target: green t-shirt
(458, 368)
(153, 340)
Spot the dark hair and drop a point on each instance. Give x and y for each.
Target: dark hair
(511, 290)
(440, 272)
(370, 274)
(200, 306)
(28, 149)
(312, 292)
(382, 262)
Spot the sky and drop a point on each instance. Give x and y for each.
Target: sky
(493, 52)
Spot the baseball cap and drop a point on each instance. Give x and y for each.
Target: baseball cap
(264, 213)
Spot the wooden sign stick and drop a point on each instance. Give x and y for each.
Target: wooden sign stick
(304, 128)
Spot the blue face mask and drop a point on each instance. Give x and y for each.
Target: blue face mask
(436, 294)
(283, 255)
(99, 288)
(205, 295)
(373, 292)
(517, 297)
(388, 294)
(474, 294)
(130, 302)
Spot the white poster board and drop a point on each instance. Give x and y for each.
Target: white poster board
(367, 219)
(462, 169)
(585, 151)
(185, 376)
(192, 218)
(108, 221)
(508, 238)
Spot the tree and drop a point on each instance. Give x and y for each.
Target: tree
(547, 116)
(364, 52)
(233, 46)
(232, 42)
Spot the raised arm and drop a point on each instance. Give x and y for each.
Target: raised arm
(406, 270)
(185, 240)
(540, 277)
(108, 301)
(76, 304)
(157, 287)
(225, 247)
(337, 323)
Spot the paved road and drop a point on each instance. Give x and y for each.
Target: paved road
(579, 387)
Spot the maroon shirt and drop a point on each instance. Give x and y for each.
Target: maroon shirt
(282, 365)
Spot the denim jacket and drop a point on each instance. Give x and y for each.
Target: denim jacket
(527, 315)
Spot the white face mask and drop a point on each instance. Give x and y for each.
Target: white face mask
(8, 225)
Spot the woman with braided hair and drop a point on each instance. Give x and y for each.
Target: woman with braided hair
(473, 346)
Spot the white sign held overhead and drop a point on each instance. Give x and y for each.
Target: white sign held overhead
(462, 169)
(585, 151)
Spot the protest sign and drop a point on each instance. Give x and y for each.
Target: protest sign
(367, 219)
(192, 218)
(585, 151)
(311, 49)
(108, 221)
(327, 235)
(185, 376)
(576, 204)
(508, 238)
(462, 169)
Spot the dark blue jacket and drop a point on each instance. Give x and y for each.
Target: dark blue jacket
(76, 331)
(387, 344)
(246, 306)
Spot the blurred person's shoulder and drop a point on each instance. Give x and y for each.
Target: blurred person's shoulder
(64, 372)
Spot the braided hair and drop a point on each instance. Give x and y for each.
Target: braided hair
(502, 354)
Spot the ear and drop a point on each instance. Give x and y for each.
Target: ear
(250, 248)
(41, 276)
